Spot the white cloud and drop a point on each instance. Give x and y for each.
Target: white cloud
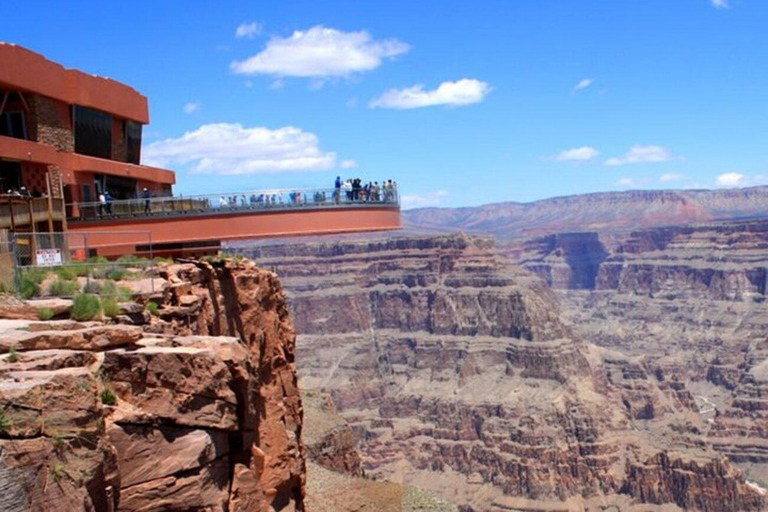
(461, 92)
(224, 148)
(191, 107)
(641, 155)
(720, 4)
(583, 84)
(730, 179)
(581, 154)
(320, 52)
(248, 30)
(423, 200)
(348, 164)
(670, 176)
(627, 182)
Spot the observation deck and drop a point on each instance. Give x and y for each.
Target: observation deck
(196, 225)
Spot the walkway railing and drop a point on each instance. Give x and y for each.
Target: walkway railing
(263, 200)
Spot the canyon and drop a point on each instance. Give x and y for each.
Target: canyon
(462, 373)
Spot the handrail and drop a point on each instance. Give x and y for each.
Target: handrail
(273, 199)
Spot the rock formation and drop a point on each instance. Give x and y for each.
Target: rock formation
(604, 212)
(197, 410)
(459, 374)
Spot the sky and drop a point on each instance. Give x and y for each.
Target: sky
(462, 103)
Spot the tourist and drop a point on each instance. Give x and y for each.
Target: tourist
(337, 190)
(146, 195)
(102, 203)
(108, 202)
(348, 189)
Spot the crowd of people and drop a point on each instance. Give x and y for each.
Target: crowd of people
(23, 192)
(354, 189)
(350, 190)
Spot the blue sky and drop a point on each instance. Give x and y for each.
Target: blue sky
(463, 103)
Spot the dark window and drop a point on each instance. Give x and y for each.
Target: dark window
(93, 132)
(12, 125)
(133, 142)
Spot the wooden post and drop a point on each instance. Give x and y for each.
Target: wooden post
(50, 207)
(33, 231)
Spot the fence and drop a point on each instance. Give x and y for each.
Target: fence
(63, 265)
(230, 202)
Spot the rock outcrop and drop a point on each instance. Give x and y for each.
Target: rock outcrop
(459, 374)
(198, 410)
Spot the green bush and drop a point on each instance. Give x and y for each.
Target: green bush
(66, 273)
(82, 269)
(45, 313)
(110, 307)
(108, 397)
(5, 422)
(152, 307)
(28, 287)
(98, 259)
(61, 288)
(85, 307)
(124, 293)
(13, 355)
(116, 273)
(37, 275)
(130, 259)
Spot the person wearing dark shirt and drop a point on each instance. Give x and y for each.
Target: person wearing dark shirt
(145, 194)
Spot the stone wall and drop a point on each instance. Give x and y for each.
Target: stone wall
(52, 123)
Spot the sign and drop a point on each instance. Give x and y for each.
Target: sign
(48, 257)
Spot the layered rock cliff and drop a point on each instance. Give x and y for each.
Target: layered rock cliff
(602, 211)
(459, 374)
(197, 410)
(687, 299)
(723, 261)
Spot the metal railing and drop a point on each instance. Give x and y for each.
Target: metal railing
(261, 200)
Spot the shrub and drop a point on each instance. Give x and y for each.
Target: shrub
(130, 259)
(98, 259)
(152, 307)
(28, 287)
(124, 293)
(108, 397)
(13, 355)
(85, 307)
(92, 287)
(66, 273)
(45, 313)
(110, 307)
(61, 288)
(5, 422)
(116, 273)
(82, 269)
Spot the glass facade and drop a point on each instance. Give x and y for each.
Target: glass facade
(133, 142)
(12, 125)
(93, 132)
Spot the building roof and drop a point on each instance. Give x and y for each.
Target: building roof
(26, 70)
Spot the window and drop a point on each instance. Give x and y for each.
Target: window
(132, 142)
(93, 132)
(12, 125)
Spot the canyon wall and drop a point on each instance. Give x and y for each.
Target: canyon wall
(603, 212)
(459, 373)
(723, 261)
(194, 409)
